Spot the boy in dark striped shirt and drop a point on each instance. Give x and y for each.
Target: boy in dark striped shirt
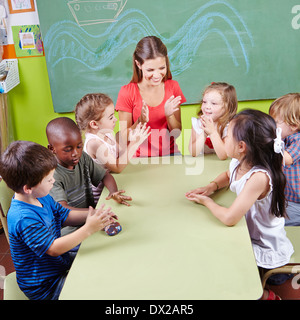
(40, 255)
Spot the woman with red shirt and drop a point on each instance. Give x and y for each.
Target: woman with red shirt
(152, 97)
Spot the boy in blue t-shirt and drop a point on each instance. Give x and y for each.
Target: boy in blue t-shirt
(40, 255)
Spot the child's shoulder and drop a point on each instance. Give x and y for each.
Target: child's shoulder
(20, 210)
(233, 164)
(85, 158)
(292, 146)
(293, 141)
(197, 125)
(92, 140)
(89, 164)
(293, 138)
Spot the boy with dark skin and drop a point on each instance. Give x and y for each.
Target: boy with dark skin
(76, 171)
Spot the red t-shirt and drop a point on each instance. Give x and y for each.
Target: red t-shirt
(160, 142)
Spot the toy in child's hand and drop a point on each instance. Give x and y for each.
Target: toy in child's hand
(113, 229)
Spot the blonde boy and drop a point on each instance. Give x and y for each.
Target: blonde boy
(286, 112)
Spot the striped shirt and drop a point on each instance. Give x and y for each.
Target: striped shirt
(292, 172)
(75, 185)
(32, 230)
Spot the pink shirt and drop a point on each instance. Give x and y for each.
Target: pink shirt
(160, 142)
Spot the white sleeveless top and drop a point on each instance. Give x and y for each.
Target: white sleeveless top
(270, 244)
(112, 149)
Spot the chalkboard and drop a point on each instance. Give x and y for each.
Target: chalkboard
(253, 45)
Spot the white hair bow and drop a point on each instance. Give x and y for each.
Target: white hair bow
(278, 143)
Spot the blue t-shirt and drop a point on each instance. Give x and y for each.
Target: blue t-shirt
(32, 230)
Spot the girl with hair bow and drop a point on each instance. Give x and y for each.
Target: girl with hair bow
(256, 176)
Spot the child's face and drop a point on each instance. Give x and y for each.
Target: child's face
(154, 70)
(43, 188)
(231, 145)
(212, 105)
(108, 119)
(68, 149)
(287, 130)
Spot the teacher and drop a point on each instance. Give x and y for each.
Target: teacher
(152, 97)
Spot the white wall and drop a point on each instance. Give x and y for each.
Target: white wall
(19, 19)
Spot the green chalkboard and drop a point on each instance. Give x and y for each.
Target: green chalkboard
(254, 45)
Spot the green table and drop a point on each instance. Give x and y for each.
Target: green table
(169, 248)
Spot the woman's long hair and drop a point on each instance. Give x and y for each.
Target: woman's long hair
(147, 48)
(258, 131)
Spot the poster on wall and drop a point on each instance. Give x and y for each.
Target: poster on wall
(3, 27)
(27, 41)
(20, 6)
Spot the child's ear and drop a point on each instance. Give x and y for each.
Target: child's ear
(93, 124)
(242, 147)
(26, 189)
(51, 148)
(295, 129)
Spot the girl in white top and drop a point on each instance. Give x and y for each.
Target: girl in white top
(256, 176)
(94, 115)
(209, 130)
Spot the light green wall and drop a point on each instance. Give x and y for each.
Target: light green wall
(31, 102)
(31, 106)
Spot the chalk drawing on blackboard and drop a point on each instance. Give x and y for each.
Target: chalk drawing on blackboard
(87, 12)
(66, 40)
(215, 17)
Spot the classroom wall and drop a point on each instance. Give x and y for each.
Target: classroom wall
(30, 103)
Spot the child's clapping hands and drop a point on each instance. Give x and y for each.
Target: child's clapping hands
(139, 134)
(208, 125)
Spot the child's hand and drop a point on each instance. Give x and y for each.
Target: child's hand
(117, 196)
(208, 125)
(205, 191)
(139, 134)
(144, 117)
(198, 198)
(98, 219)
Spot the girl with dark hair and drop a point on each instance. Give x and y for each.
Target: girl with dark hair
(256, 176)
(152, 97)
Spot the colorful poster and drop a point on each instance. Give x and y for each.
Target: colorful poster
(27, 41)
(20, 6)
